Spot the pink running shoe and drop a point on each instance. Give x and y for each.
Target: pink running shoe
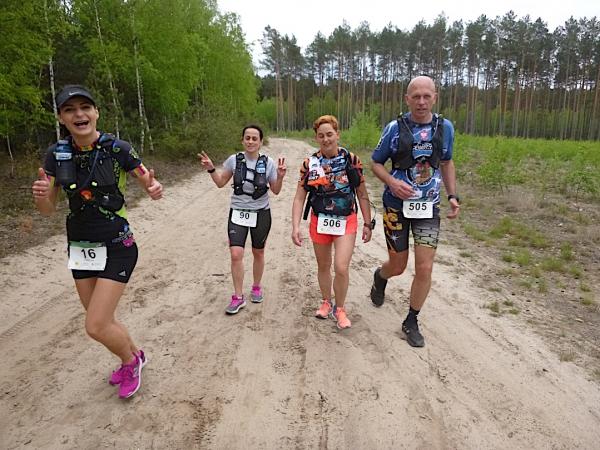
(341, 318)
(256, 294)
(236, 304)
(131, 378)
(117, 376)
(324, 310)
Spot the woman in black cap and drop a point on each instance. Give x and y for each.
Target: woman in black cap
(91, 167)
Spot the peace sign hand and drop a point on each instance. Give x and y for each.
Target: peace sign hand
(205, 161)
(281, 167)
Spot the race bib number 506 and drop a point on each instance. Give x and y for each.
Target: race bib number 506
(331, 225)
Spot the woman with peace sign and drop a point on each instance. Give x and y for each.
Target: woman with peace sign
(92, 167)
(253, 174)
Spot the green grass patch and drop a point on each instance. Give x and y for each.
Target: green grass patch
(552, 264)
(474, 232)
(566, 356)
(494, 307)
(518, 234)
(587, 301)
(566, 252)
(576, 272)
(526, 283)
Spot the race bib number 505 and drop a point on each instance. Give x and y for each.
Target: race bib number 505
(417, 209)
(87, 256)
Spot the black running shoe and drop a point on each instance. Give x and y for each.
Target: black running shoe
(413, 335)
(378, 288)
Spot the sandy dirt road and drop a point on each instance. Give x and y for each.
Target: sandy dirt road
(273, 376)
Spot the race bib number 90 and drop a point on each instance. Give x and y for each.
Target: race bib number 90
(244, 218)
(334, 225)
(87, 256)
(417, 209)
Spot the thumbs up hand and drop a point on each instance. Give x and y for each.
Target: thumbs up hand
(153, 187)
(41, 186)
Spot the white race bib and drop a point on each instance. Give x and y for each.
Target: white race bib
(87, 256)
(335, 225)
(417, 209)
(244, 218)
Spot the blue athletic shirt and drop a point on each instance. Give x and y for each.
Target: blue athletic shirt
(426, 187)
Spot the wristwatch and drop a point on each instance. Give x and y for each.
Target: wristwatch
(370, 225)
(455, 197)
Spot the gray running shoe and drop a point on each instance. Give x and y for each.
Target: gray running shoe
(413, 335)
(236, 304)
(256, 294)
(378, 288)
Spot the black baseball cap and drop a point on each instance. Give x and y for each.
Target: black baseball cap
(73, 90)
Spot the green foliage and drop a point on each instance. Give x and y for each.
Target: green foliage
(265, 113)
(363, 133)
(568, 167)
(24, 50)
(189, 62)
(317, 106)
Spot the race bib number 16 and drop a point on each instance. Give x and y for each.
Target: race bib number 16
(87, 256)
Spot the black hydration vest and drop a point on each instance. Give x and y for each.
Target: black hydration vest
(403, 159)
(321, 200)
(260, 176)
(89, 185)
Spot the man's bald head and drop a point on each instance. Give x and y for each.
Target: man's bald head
(421, 81)
(420, 98)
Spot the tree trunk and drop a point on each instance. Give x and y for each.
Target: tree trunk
(143, 123)
(110, 78)
(10, 155)
(51, 71)
(594, 130)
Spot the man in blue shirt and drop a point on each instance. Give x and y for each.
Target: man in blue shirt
(420, 145)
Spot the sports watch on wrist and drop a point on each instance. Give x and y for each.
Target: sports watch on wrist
(370, 225)
(452, 196)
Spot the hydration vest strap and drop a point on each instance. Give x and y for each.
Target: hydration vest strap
(239, 174)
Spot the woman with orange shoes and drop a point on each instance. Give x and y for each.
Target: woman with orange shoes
(333, 180)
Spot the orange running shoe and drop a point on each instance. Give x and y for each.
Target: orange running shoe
(324, 310)
(342, 318)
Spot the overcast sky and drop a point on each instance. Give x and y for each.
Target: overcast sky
(304, 18)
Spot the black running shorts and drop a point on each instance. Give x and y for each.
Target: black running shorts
(425, 231)
(238, 233)
(120, 262)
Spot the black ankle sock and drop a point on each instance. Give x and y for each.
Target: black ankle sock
(412, 315)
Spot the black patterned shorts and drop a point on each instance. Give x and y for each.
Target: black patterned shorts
(425, 231)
